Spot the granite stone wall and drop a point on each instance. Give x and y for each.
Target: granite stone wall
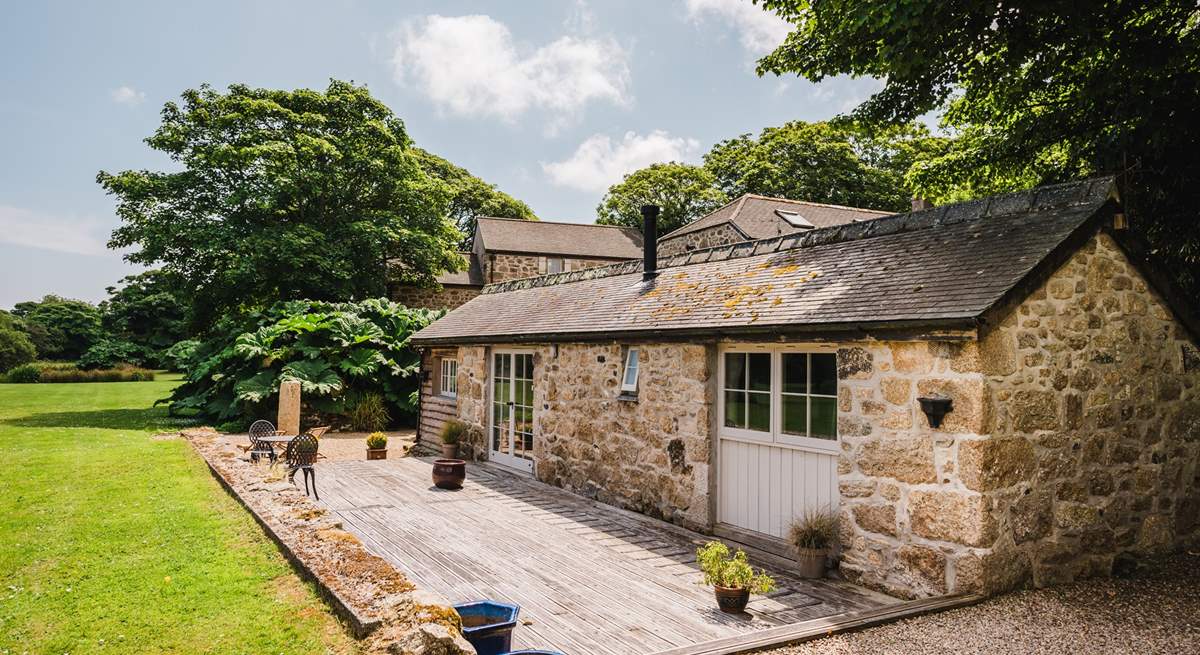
(721, 234)
(499, 267)
(446, 297)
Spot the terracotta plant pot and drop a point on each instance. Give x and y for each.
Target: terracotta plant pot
(810, 562)
(450, 451)
(732, 600)
(377, 453)
(449, 473)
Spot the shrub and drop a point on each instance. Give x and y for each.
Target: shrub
(724, 570)
(182, 355)
(110, 353)
(452, 431)
(25, 374)
(377, 441)
(15, 349)
(335, 350)
(815, 530)
(369, 413)
(128, 374)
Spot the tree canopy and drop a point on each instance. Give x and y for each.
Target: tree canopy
(471, 197)
(1038, 92)
(284, 195)
(838, 162)
(684, 192)
(60, 328)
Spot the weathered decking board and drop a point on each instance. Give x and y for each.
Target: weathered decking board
(590, 579)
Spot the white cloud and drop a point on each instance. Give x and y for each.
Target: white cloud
(127, 95)
(471, 66)
(70, 234)
(598, 162)
(759, 30)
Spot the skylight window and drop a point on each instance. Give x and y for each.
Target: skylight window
(795, 219)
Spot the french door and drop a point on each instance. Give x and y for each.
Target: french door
(512, 409)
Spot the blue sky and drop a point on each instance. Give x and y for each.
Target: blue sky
(550, 100)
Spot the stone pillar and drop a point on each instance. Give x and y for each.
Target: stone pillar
(288, 421)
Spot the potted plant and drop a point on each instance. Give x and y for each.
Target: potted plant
(731, 576)
(811, 536)
(377, 446)
(452, 432)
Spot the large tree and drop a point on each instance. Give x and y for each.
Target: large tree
(684, 193)
(838, 162)
(1041, 91)
(60, 328)
(148, 311)
(283, 195)
(471, 197)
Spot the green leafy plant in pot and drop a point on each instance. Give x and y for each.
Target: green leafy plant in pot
(377, 446)
(812, 536)
(452, 433)
(731, 576)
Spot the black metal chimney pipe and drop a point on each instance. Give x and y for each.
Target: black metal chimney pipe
(649, 242)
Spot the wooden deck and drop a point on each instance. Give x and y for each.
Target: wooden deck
(590, 579)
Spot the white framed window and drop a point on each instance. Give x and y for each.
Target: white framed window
(554, 264)
(448, 385)
(784, 395)
(629, 378)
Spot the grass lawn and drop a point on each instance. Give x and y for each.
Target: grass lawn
(112, 542)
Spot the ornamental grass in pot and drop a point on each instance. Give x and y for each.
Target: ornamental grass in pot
(731, 576)
(452, 432)
(811, 537)
(377, 446)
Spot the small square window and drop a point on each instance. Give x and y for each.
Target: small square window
(554, 264)
(449, 377)
(630, 379)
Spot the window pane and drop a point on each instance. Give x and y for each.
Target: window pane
(760, 412)
(824, 418)
(795, 372)
(795, 415)
(735, 370)
(631, 368)
(735, 409)
(824, 375)
(760, 371)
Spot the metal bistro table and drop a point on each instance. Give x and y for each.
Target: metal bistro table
(276, 439)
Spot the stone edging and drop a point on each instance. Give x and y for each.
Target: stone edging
(360, 626)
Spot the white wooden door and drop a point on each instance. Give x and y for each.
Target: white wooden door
(512, 410)
(777, 436)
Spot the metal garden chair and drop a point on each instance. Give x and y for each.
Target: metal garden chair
(300, 455)
(258, 448)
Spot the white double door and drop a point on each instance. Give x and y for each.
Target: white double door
(512, 409)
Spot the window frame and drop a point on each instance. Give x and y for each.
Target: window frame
(775, 436)
(443, 377)
(628, 389)
(562, 265)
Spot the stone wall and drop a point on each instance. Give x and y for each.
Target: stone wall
(648, 454)
(1097, 425)
(499, 267)
(445, 297)
(721, 234)
(908, 527)
(1073, 439)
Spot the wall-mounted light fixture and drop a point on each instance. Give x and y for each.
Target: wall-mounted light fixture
(935, 408)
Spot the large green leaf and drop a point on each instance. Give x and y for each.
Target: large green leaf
(315, 377)
(258, 388)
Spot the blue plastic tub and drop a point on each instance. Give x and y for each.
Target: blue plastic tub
(488, 625)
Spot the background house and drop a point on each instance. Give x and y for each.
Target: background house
(733, 389)
(753, 217)
(507, 248)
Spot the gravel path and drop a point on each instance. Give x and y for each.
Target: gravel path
(1156, 611)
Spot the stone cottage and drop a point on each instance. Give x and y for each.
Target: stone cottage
(752, 217)
(989, 394)
(508, 248)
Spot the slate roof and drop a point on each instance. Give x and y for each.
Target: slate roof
(757, 217)
(940, 266)
(547, 238)
(473, 276)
